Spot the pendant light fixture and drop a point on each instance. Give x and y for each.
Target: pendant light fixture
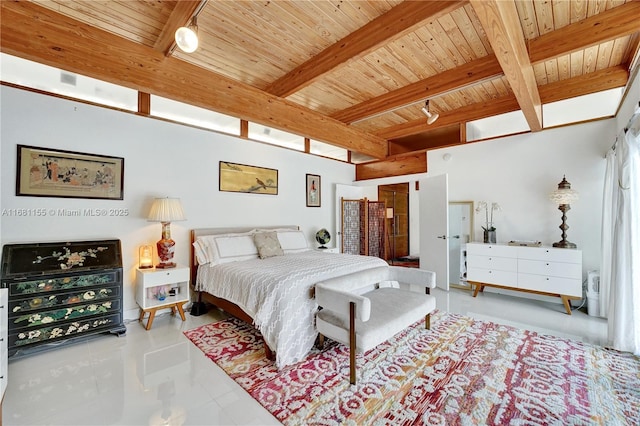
(187, 37)
(431, 118)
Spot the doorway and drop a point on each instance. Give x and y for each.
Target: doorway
(396, 199)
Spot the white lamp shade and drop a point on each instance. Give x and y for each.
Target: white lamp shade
(563, 196)
(166, 210)
(186, 39)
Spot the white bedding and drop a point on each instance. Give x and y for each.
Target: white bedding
(276, 293)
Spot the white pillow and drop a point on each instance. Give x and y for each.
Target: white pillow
(223, 248)
(292, 241)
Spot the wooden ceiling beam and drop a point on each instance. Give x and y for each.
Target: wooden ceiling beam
(457, 78)
(180, 16)
(500, 20)
(461, 115)
(400, 165)
(608, 78)
(608, 25)
(384, 29)
(33, 32)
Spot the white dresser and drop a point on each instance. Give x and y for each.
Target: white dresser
(541, 270)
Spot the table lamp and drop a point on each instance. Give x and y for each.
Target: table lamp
(563, 196)
(166, 210)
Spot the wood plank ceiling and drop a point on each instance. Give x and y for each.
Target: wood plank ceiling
(354, 74)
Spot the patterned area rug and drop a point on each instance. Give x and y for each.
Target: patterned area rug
(461, 372)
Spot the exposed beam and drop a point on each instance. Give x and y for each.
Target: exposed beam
(468, 113)
(180, 15)
(457, 78)
(405, 164)
(608, 78)
(39, 34)
(499, 18)
(611, 24)
(384, 29)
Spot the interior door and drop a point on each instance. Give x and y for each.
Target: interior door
(434, 227)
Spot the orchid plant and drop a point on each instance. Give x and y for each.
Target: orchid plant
(483, 205)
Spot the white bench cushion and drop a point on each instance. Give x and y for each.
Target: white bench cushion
(392, 310)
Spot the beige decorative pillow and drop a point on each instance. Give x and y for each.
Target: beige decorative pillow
(267, 244)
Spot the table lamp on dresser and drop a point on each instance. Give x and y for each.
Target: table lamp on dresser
(166, 210)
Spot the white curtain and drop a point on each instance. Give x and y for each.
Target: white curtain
(620, 269)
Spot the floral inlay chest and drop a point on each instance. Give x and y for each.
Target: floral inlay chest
(62, 291)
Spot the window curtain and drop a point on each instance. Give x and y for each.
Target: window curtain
(620, 269)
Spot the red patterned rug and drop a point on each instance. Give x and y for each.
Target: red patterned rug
(461, 372)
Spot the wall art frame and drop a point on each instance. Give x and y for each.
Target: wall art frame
(234, 177)
(313, 191)
(48, 172)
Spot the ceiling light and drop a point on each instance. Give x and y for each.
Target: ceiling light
(187, 37)
(431, 118)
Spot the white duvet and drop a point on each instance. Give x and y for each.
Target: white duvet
(277, 293)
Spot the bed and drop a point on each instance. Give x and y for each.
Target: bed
(232, 269)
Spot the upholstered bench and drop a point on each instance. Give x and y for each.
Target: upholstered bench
(366, 308)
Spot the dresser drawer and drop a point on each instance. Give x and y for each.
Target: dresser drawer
(554, 269)
(491, 276)
(493, 262)
(169, 276)
(556, 285)
(491, 250)
(551, 254)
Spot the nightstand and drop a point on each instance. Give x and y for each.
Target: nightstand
(161, 288)
(328, 249)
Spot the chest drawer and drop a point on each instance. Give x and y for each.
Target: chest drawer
(493, 262)
(491, 250)
(550, 254)
(554, 269)
(556, 285)
(490, 276)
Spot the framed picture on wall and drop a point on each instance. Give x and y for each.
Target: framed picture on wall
(313, 190)
(252, 179)
(46, 172)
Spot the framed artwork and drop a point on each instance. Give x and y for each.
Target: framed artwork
(313, 190)
(45, 172)
(242, 178)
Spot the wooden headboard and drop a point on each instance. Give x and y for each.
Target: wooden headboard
(199, 232)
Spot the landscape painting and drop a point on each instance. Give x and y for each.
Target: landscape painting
(251, 179)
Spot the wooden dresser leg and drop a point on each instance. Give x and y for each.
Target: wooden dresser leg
(567, 304)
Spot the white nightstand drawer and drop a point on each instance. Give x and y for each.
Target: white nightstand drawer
(493, 262)
(154, 277)
(554, 269)
(552, 254)
(491, 276)
(554, 285)
(491, 250)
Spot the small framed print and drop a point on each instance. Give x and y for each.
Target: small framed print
(313, 190)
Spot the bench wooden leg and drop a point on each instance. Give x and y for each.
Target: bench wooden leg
(352, 343)
(427, 321)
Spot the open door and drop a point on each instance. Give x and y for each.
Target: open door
(434, 227)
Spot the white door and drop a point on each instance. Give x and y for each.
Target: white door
(347, 192)
(434, 227)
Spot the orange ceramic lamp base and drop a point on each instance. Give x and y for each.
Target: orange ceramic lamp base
(166, 248)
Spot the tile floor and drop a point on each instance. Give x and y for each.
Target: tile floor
(158, 377)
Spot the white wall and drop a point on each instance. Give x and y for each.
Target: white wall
(161, 159)
(519, 172)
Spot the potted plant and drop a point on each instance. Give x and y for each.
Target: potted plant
(489, 229)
